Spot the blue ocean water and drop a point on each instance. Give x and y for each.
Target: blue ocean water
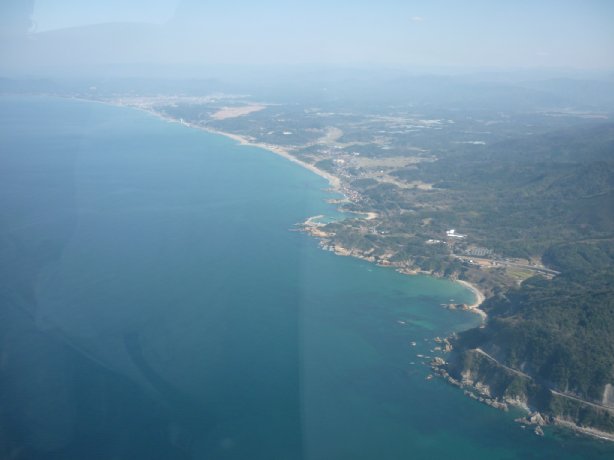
(163, 255)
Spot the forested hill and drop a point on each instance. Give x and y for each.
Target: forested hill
(523, 195)
(557, 191)
(560, 332)
(577, 144)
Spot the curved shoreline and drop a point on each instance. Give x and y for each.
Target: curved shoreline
(479, 298)
(334, 181)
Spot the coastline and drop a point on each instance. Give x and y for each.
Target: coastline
(586, 431)
(475, 303)
(333, 180)
(479, 298)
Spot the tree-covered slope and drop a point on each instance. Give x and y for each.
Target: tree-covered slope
(560, 331)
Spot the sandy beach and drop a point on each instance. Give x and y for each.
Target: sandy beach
(479, 298)
(333, 180)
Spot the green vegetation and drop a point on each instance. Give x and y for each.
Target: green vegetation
(517, 198)
(531, 190)
(559, 331)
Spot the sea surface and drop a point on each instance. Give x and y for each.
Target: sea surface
(155, 303)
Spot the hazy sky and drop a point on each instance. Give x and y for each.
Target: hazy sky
(57, 14)
(509, 34)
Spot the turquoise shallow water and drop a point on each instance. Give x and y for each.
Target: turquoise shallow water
(164, 255)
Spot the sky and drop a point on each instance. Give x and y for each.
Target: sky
(58, 14)
(47, 34)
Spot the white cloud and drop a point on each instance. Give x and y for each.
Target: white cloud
(417, 19)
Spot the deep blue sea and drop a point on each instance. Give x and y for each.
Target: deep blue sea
(156, 304)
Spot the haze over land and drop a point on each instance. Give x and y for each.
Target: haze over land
(468, 141)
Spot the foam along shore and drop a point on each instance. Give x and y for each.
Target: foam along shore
(334, 181)
(479, 298)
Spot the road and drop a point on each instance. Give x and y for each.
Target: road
(554, 392)
(508, 264)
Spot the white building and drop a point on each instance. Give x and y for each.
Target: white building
(452, 234)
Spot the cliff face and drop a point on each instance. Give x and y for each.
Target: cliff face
(485, 378)
(475, 369)
(547, 346)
